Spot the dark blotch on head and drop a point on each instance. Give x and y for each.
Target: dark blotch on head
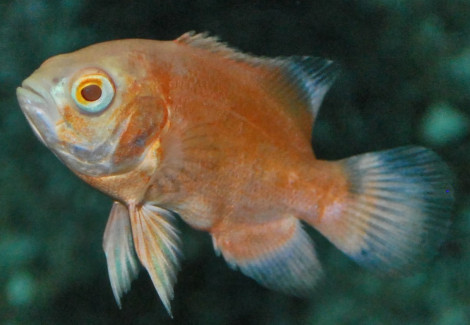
(91, 93)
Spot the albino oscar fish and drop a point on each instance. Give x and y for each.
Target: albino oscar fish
(195, 129)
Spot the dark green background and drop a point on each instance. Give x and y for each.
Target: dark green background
(405, 80)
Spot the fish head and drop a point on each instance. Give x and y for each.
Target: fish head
(98, 109)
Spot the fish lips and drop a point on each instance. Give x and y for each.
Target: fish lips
(41, 115)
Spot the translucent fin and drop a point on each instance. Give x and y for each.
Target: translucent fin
(123, 264)
(313, 77)
(302, 80)
(397, 212)
(279, 255)
(157, 245)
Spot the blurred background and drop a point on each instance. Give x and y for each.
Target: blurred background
(405, 80)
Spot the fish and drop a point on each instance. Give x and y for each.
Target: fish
(194, 129)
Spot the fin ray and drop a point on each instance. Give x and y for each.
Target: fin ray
(122, 261)
(397, 211)
(157, 245)
(299, 82)
(278, 255)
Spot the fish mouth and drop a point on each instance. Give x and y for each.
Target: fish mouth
(40, 113)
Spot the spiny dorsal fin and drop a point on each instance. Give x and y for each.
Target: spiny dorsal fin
(214, 45)
(302, 80)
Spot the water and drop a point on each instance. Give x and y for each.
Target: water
(405, 80)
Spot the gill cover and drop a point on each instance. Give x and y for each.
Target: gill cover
(99, 113)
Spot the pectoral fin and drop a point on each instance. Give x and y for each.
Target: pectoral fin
(156, 243)
(278, 255)
(123, 264)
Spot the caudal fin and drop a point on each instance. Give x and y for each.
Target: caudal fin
(397, 210)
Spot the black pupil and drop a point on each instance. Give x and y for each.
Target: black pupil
(91, 93)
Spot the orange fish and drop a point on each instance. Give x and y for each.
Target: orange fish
(222, 139)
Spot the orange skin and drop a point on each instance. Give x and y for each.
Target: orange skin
(224, 140)
(221, 138)
(229, 153)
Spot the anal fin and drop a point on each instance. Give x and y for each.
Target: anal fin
(278, 255)
(123, 264)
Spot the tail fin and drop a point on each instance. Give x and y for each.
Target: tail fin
(397, 210)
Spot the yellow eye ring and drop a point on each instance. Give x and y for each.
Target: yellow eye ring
(92, 93)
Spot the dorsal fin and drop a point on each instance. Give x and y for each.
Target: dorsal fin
(313, 76)
(301, 81)
(214, 45)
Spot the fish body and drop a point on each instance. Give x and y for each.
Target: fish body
(195, 129)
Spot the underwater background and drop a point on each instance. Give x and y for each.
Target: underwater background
(405, 80)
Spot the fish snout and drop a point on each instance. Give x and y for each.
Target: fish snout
(41, 113)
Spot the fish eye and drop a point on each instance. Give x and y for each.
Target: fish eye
(92, 93)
